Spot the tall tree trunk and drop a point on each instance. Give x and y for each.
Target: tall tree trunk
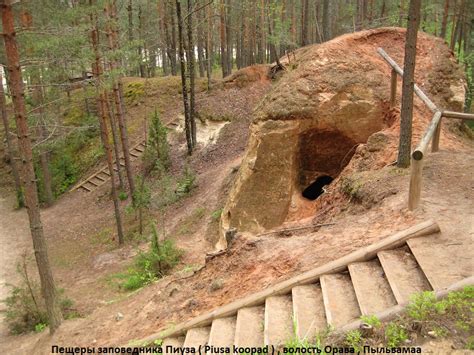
(10, 150)
(304, 22)
(38, 99)
(115, 138)
(174, 50)
(192, 73)
(262, 33)
(222, 31)
(382, 10)
(444, 22)
(406, 115)
(48, 286)
(401, 13)
(326, 22)
(101, 106)
(131, 69)
(47, 179)
(228, 31)
(118, 97)
(200, 42)
(209, 53)
(187, 122)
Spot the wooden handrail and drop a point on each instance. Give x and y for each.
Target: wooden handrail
(432, 133)
(420, 150)
(417, 89)
(461, 115)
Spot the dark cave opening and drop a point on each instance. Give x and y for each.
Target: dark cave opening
(313, 191)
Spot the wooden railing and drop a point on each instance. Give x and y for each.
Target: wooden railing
(432, 133)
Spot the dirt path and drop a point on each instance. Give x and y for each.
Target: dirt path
(14, 241)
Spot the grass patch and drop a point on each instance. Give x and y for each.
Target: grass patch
(425, 317)
(151, 265)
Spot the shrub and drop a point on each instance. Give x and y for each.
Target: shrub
(424, 305)
(395, 335)
(371, 320)
(354, 340)
(152, 265)
(26, 310)
(157, 150)
(186, 182)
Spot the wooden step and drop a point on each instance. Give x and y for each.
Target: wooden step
(105, 172)
(133, 154)
(92, 182)
(101, 178)
(278, 320)
(433, 255)
(403, 273)
(371, 287)
(249, 327)
(95, 180)
(85, 188)
(340, 301)
(222, 332)
(173, 342)
(197, 337)
(308, 311)
(140, 148)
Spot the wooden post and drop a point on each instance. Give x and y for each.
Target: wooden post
(414, 193)
(393, 88)
(437, 134)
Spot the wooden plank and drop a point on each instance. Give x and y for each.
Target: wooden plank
(363, 254)
(416, 88)
(85, 188)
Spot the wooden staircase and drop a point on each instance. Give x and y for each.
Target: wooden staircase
(370, 281)
(102, 175)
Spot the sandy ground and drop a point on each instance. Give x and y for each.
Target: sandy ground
(15, 239)
(250, 265)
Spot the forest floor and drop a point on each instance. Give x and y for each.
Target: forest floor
(251, 264)
(85, 256)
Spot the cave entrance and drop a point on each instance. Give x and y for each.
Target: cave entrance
(313, 191)
(323, 154)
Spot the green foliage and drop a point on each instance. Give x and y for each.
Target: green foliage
(40, 327)
(395, 335)
(470, 343)
(70, 157)
(423, 305)
(157, 151)
(186, 183)
(134, 92)
(215, 215)
(122, 195)
(371, 320)
(26, 310)
(153, 264)
(354, 339)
